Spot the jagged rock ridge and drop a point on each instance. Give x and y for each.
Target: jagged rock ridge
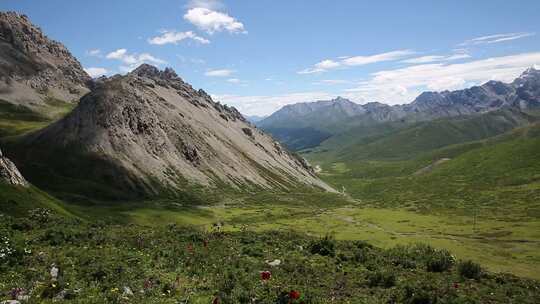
(153, 127)
(34, 68)
(340, 114)
(9, 173)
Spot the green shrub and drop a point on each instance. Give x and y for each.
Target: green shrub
(470, 270)
(439, 261)
(402, 256)
(325, 246)
(382, 278)
(419, 293)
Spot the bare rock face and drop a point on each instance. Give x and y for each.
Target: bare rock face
(9, 173)
(33, 67)
(157, 131)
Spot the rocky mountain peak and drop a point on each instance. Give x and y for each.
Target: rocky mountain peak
(150, 71)
(34, 67)
(532, 71)
(340, 99)
(148, 130)
(22, 35)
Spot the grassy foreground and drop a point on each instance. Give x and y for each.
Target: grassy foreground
(45, 258)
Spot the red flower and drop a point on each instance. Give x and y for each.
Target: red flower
(265, 275)
(294, 295)
(456, 285)
(216, 300)
(147, 284)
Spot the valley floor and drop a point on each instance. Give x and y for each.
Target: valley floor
(500, 245)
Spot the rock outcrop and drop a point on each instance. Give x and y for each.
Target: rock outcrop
(9, 173)
(34, 68)
(153, 130)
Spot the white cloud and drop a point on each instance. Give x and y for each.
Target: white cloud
(168, 37)
(233, 80)
(496, 38)
(213, 21)
(263, 105)
(96, 72)
(344, 61)
(404, 84)
(327, 64)
(389, 56)
(219, 73)
(94, 53)
(118, 54)
(437, 58)
(132, 61)
(332, 81)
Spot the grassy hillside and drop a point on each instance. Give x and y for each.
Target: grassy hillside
(405, 141)
(17, 120)
(298, 138)
(501, 171)
(18, 200)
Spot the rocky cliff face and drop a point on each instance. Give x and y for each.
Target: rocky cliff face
(156, 130)
(9, 173)
(34, 68)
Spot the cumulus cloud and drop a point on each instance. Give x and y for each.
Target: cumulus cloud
(346, 61)
(173, 37)
(437, 58)
(264, 104)
(404, 84)
(219, 73)
(213, 21)
(96, 72)
(131, 61)
(496, 38)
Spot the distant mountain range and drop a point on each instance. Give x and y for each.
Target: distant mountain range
(254, 118)
(146, 133)
(306, 125)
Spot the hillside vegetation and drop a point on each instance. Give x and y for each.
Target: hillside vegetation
(74, 261)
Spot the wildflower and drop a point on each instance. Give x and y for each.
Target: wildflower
(265, 275)
(456, 285)
(54, 272)
(147, 284)
(294, 295)
(16, 292)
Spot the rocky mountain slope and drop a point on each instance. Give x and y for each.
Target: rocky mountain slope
(9, 173)
(149, 130)
(309, 120)
(35, 69)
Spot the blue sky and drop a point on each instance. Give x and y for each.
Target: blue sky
(260, 55)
